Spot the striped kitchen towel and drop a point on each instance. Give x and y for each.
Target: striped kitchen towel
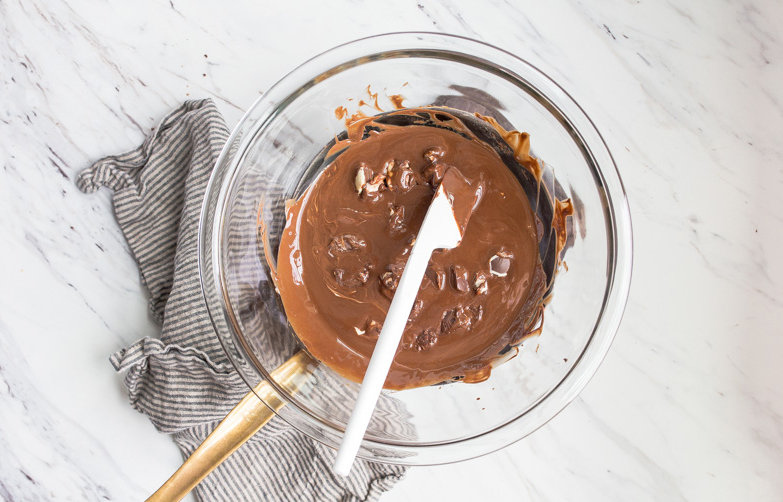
(183, 380)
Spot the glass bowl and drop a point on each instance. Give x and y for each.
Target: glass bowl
(273, 153)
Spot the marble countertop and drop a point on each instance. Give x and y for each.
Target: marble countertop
(688, 405)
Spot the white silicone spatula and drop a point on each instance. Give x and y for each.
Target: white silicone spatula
(439, 230)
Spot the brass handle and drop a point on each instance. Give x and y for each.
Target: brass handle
(240, 424)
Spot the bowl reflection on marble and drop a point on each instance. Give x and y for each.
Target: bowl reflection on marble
(276, 147)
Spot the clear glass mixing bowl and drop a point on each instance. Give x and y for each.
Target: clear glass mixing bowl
(272, 151)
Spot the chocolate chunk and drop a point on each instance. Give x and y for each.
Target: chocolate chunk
(345, 243)
(433, 154)
(373, 328)
(374, 187)
(454, 319)
(416, 310)
(425, 340)
(377, 182)
(348, 280)
(436, 276)
(367, 184)
(400, 177)
(500, 263)
(344, 279)
(405, 251)
(459, 279)
(460, 318)
(363, 173)
(396, 218)
(388, 167)
(390, 279)
(480, 285)
(433, 173)
(363, 275)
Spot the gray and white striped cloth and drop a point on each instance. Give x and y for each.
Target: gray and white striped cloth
(183, 380)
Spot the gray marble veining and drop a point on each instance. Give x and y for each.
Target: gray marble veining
(687, 406)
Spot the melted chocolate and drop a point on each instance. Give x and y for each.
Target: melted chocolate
(347, 239)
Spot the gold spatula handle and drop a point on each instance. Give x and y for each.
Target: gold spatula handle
(240, 424)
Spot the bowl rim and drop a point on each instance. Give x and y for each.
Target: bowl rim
(585, 134)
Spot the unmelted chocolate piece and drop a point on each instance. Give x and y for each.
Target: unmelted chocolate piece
(425, 340)
(480, 285)
(459, 278)
(433, 154)
(390, 279)
(396, 223)
(415, 310)
(345, 243)
(368, 185)
(348, 280)
(434, 172)
(388, 166)
(452, 332)
(500, 263)
(435, 275)
(373, 328)
(461, 317)
(373, 188)
(363, 173)
(400, 177)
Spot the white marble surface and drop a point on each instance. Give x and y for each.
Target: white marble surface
(689, 96)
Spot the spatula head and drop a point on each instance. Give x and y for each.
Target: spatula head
(463, 196)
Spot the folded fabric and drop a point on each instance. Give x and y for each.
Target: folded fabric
(183, 380)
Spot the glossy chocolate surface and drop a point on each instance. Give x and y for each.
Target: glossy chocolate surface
(348, 236)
